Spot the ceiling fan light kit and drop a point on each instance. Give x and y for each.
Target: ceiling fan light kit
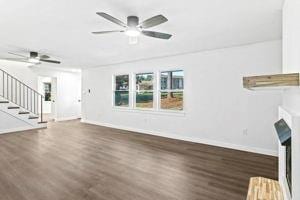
(132, 32)
(34, 60)
(133, 29)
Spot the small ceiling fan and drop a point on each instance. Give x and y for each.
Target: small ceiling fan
(33, 58)
(133, 28)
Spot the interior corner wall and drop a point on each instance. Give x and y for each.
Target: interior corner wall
(218, 110)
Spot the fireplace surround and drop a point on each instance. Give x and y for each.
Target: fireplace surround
(289, 173)
(284, 135)
(288, 164)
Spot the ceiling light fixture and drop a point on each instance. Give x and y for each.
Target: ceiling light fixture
(132, 32)
(34, 60)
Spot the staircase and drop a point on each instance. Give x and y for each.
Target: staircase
(20, 101)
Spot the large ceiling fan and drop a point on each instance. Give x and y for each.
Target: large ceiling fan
(133, 28)
(33, 58)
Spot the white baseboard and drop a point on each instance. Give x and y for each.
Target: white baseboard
(26, 128)
(66, 118)
(190, 139)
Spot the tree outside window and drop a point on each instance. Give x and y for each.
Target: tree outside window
(121, 92)
(144, 90)
(171, 90)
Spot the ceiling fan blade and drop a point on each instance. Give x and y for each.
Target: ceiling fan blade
(157, 35)
(104, 32)
(112, 19)
(24, 60)
(15, 54)
(44, 57)
(50, 61)
(153, 21)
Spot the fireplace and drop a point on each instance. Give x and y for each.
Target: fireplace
(284, 134)
(288, 164)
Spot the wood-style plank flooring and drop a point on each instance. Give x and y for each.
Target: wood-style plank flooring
(75, 161)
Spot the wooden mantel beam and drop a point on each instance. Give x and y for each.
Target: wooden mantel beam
(271, 81)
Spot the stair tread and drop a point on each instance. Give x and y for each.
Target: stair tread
(33, 117)
(4, 101)
(13, 107)
(23, 112)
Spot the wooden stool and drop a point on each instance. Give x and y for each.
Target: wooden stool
(264, 189)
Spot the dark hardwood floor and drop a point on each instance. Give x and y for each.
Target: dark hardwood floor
(75, 161)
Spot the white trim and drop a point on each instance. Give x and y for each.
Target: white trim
(66, 118)
(190, 139)
(150, 111)
(285, 188)
(26, 128)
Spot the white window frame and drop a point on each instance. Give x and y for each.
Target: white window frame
(114, 91)
(156, 94)
(159, 91)
(153, 90)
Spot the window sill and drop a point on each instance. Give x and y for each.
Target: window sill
(149, 111)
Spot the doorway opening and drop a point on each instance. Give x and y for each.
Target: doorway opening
(47, 87)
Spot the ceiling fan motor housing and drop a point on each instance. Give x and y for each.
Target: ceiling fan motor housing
(33, 54)
(132, 21)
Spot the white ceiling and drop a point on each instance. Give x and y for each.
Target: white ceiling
(62, 28)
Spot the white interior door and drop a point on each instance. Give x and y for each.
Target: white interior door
(53, 98)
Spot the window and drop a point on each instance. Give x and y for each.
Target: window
(121, 91)
(165, 94)
(171, 90)
(47, 91)
(144, 90)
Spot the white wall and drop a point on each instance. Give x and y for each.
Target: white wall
(9, 123)
(291, 36)
(291, 50)
(291, 98)
(218, 110)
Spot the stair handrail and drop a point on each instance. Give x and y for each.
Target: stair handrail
(21, 82)
(17, 95)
